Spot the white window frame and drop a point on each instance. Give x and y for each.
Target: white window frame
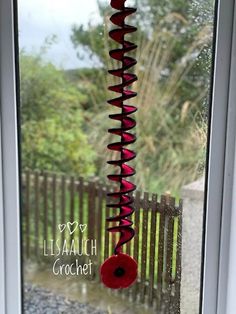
(219, 271)
(219, 201)
(10, 258)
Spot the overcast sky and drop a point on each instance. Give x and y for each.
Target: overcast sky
(39, 19)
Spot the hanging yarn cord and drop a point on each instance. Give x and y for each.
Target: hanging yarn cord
(120, 270)
(125, 203)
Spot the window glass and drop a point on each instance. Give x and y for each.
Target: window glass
(64, 61)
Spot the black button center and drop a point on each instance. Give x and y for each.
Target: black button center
(119, 272)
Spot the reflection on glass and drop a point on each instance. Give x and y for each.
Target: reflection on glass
(63, 66)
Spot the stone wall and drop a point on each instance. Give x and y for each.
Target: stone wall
(193, 196)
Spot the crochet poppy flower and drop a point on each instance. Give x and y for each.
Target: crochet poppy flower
(119, 271)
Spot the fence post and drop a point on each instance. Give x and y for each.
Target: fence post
(81, 199)
(45, 197)
(107, 234)
(170, 202)
(145, 207)
(152, 249)
(91, 222)
(63, 206)
(37, 216)
(54, 205)
(161, 252)
(136, 239)
(98, 225)
(72, 202)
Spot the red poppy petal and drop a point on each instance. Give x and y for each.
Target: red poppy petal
(112, 282)
(130, 267)
(119, 271)
(110, 265)
(127, 282)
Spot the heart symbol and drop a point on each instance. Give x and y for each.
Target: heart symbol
(82, 227)
(72, 226)
(61, 227)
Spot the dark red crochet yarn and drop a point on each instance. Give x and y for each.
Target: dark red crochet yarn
(121, 200)
(119, 271)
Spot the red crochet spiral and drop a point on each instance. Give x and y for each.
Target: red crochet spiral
(125, 201)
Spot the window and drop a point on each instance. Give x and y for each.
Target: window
(47, 195)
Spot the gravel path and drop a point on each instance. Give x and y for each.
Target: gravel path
(41, 301)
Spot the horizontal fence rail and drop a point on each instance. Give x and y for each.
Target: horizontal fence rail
(50, 199)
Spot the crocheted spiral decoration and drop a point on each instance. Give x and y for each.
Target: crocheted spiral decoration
(123, 201)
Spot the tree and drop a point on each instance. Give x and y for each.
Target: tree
(52, 125)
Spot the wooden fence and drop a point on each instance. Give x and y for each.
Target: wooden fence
(51, 199)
